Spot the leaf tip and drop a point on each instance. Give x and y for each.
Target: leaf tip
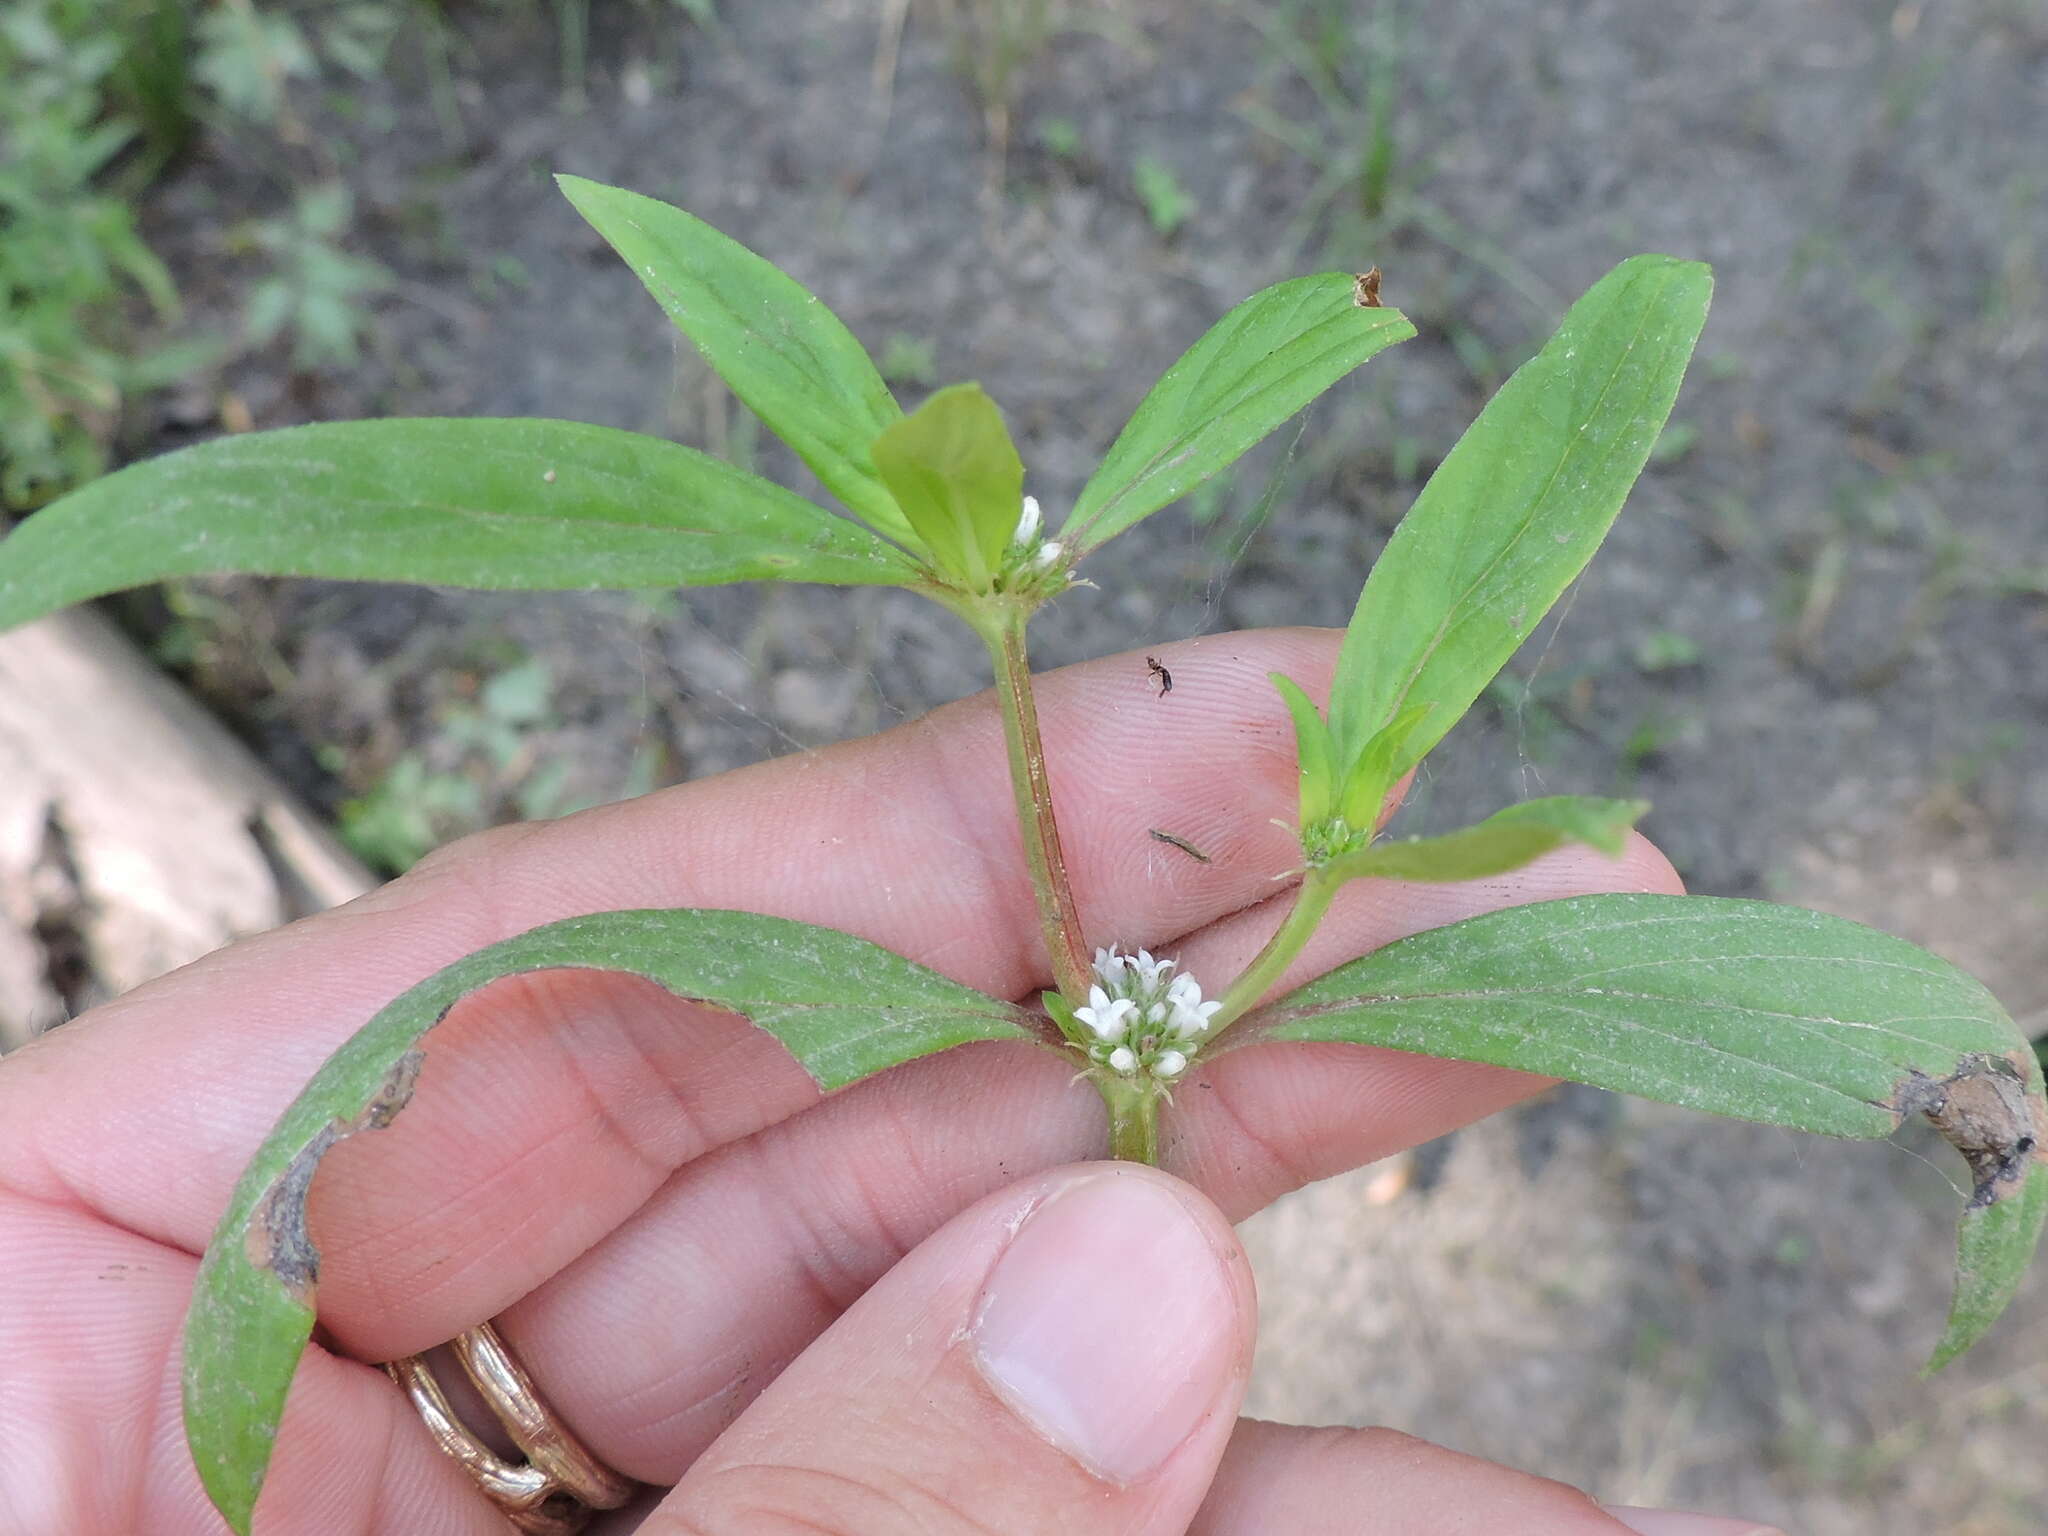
(1994, 1247)
(1612, 838)
(1984, 1110)
(1992, 1111)
(1289, 689)
(252, 1311)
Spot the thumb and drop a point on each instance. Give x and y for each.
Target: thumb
(1068, 1355)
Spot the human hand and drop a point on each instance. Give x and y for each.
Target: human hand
(669, 1221)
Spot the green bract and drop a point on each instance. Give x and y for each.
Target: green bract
(957, 479)
(1504, 841)
(1738, 1008)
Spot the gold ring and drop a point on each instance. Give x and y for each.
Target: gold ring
(555, 1491)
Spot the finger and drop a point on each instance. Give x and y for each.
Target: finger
(1066, 1356)
(90, 1412)
(1376, 1482)
(906, 838)
(657, 1336)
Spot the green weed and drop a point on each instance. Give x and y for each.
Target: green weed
(316, 292)
(1061, 137)
(407, 813)
(1362, 140)
(486, 761)
(1664, 650)
(72, 262)
(102, 96)
(909, 360)
(1167, 203)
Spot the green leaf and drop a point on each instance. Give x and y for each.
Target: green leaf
(845, 1008)
(1373, 774)
(1993, 1248)
(1741, 1008)
(1256, 367)
(1504, 841)
(1516, 510)
(956, 476)
(1311, 750)
(462, 503)
(792, 360)
(1062, 1014)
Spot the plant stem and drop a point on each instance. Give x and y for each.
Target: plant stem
(1312, 900)
(1058, 917)
(1133, 1117)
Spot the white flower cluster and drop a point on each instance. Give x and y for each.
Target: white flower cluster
(1026, 547)
(1143, 1017)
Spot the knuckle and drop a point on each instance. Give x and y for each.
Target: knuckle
(470, 859)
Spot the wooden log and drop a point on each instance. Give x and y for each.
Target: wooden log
(136, 834)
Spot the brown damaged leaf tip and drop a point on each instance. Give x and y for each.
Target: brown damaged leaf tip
(277, 1238)
(1984, 1111)
(1365, 289)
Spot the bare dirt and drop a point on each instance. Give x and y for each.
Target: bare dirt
(1816, 640)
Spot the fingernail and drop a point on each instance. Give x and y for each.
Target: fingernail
(1676, 1522)
(1110, 1323)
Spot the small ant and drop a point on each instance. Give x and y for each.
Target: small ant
(1154, 669)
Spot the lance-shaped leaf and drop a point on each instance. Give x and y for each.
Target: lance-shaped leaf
(956, 476)
(845, 1008)
(1338, 808)
(1312, 753)
(1517, 508)
(1741, 1008)
(777, 346)
(461, 503)
(1373, 774)
(1505, 841)
(1256, 367)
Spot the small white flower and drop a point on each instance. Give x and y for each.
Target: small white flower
(1190, 1014)
(1192, 1023)
(1146, 1017)
(1104, 1016)
(1030, 555)
(1028, 524)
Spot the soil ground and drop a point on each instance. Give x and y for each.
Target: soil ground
(1816, 640)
